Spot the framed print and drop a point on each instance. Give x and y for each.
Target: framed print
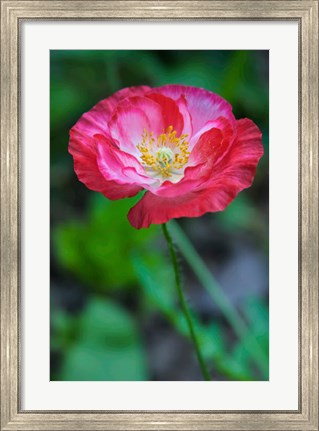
(159, 215)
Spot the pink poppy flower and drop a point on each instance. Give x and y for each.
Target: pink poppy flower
(181, 144)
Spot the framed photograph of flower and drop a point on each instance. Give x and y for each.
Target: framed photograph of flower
(180, 151)
(161, 225)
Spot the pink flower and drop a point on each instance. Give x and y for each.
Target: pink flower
(181, 144)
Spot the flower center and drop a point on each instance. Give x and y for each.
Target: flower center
(165, 156)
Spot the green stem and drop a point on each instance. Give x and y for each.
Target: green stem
(210, 284)
(183, 303)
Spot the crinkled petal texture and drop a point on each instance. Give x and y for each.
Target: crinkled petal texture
(181, 144)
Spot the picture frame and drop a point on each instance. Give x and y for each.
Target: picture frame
(13, 13)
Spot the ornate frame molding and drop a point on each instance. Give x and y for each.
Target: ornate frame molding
(306, 13)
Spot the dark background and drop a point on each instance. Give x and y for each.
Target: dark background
(114, 310)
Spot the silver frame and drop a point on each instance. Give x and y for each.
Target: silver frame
(303, 12)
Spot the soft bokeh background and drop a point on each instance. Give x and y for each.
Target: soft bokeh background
(114, 310)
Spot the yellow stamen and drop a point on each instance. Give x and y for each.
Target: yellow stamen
(165, 153)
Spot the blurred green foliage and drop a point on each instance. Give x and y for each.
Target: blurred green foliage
(96, 251)
(102, 343)
(110, 280)
(236, 363)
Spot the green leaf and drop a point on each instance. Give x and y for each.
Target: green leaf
(257, 314)
(107, 346)
(97, 251)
